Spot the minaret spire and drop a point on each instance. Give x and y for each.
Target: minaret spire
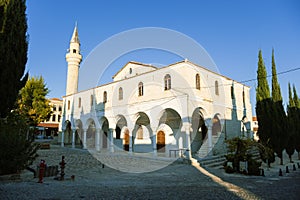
(73, 58)
(75, 37)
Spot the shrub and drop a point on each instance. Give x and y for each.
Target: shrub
(17, 147)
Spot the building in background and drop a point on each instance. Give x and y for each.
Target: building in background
(255, 128)
(49, 129)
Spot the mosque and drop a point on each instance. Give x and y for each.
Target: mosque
(182, 109)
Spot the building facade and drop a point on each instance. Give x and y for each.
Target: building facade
(50, 127)
(182, 108)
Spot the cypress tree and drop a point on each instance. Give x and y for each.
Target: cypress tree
(262, 90)
(292, 123)
(17, 147)
(13, 51)
(279, 124)
(297, 119)
(263, 106)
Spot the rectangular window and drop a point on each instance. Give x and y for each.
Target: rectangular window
(58, 118)
(69, 104)
(53, 118)
(92, 100)
(79, 102)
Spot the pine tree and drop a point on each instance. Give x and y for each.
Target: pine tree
(14, 45)
(279, 121)
(32, 103)
(263, 106)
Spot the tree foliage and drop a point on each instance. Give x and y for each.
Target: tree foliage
(240, 150)
(263, 104)
(32, 102)
(13, 51)
(278, 119)
(17, 150)
(293, 123)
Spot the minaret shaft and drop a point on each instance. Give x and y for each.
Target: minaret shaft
(73, 58)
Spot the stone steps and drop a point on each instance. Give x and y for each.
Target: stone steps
(213, 162)
(204, 149)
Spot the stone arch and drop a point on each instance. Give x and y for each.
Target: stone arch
(90, 133)
(142, 133)
(104, 126)
(126, 138)
(67, 128)
(169, 120)
(199, 129)
(121, 122)
(78, 133)
(216, 125)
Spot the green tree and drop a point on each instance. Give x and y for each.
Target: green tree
(240, 150)
(32, 103)
(292, 124)
(262, 90)
(17, 149)
(297, 129)
(13, 48)
(278, 136)
(263, 103)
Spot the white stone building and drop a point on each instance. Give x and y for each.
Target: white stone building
(167, 110)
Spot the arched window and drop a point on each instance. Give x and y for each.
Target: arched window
(197, 81)
(167, 82)
(69, 104)
(130, 70)
(141, 89)
(232, 92)
(104, 97)
(120, 93)
(216, 88)
(244, 97)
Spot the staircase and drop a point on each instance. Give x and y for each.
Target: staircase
(216, 162)
(203, 151)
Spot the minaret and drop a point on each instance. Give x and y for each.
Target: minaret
(73, 58)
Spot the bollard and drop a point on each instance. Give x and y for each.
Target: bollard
(41, 171)
(294, 167)
(262, 172)
(287, 169)
(62, 168)
(280, 172)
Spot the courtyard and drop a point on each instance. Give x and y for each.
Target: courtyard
(171, 180)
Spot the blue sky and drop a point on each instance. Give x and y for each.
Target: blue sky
(231, 32)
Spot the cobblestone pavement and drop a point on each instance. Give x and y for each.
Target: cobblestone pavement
(176, 181)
